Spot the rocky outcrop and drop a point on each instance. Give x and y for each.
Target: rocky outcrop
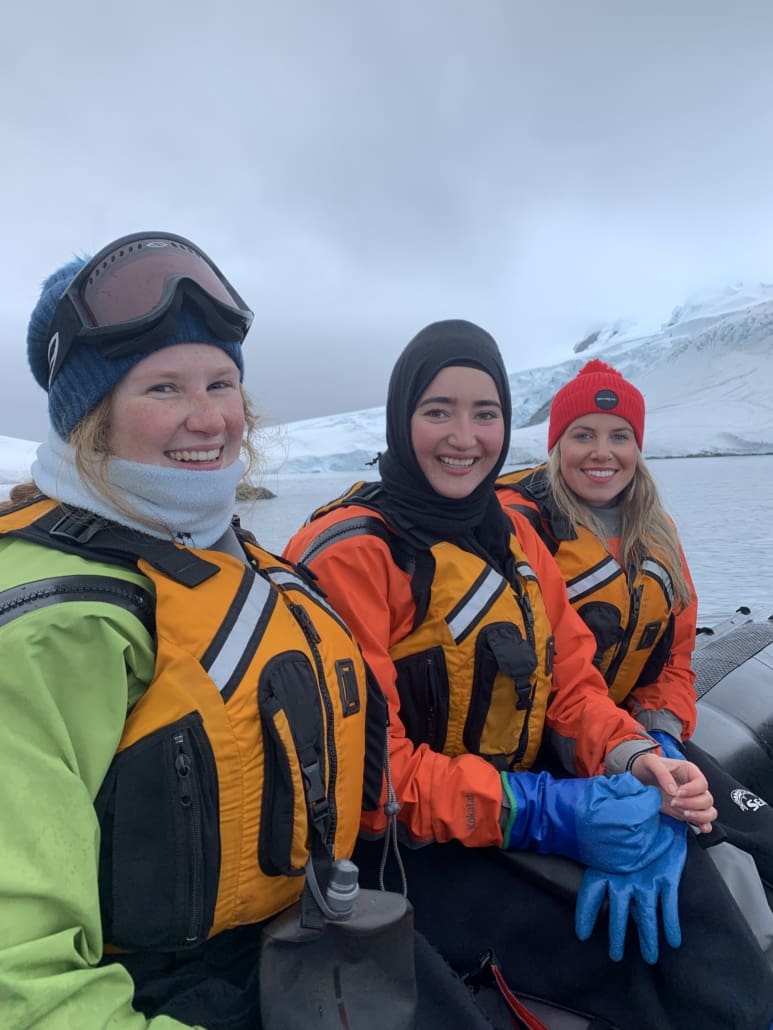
(248, 492)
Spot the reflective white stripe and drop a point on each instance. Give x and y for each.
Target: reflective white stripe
(467, 615)
(235, 644)
(284, 577)
(288, 580)
(601, 574)
(526, 571)
(662, 575)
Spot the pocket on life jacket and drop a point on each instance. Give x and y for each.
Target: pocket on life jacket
(160, 844)
(296, 764)
(497, 725)
(603, 620)
(422, 683)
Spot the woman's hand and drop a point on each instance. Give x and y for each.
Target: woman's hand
(682, 785)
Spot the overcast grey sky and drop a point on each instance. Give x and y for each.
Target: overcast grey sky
(360, 169)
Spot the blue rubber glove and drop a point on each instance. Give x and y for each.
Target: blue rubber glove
(610, 823)
(668, 744)
(638, 894)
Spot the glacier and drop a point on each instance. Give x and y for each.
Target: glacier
(706, 374)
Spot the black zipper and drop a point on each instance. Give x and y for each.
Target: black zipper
(625, 643)
(313, 638)
(430, 725)
(528, 621)
(189, 803)
(528, 617)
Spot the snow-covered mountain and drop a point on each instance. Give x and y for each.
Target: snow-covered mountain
(706, 374)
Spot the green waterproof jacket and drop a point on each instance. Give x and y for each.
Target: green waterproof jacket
(69, 674)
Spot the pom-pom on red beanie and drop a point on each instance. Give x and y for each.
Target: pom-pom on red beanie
(597, 387)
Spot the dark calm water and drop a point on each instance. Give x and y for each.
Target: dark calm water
(722, 506)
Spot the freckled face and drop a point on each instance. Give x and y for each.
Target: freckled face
(457, 430)
(598, 455)
(180, 407)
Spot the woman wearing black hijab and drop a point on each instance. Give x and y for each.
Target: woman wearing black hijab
(409, 500)
(467, 627)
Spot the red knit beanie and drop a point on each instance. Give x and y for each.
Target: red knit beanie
(596, 387)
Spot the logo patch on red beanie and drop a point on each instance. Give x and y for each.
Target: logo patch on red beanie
(606, 399)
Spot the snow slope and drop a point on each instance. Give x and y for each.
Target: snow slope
(706, 374)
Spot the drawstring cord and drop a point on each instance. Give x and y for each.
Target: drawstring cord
(391, 808)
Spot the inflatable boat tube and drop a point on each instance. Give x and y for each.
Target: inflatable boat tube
(733, 662)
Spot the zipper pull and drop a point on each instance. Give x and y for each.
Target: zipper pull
(550, 653)
(182, 766)
(528, 617)
(306, 624)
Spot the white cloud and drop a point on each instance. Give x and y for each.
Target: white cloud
(360, 170)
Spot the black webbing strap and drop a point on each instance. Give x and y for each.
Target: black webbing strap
(95, 538)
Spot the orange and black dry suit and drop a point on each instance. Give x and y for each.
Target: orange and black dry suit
(244, 757)
(474, 667)
(644, 643)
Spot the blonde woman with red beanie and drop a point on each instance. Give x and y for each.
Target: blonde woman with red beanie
(597, 508)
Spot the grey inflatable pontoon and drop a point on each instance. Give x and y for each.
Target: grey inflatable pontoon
(733, 662)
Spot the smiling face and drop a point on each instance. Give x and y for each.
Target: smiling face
(598, 455)
(180, 407)
(457, 430)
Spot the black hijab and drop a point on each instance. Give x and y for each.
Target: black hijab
(410, 504)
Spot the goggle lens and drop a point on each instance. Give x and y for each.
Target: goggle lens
(131, 281)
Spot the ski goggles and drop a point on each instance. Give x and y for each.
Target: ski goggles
(129, 294)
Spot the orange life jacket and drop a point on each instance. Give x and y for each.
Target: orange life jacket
(474, 675)
(629, 613)
(245, 753)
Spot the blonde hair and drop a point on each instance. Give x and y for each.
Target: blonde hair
(647, 529)
(90, 442)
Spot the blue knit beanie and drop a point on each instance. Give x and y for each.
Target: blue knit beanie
(86, 375)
